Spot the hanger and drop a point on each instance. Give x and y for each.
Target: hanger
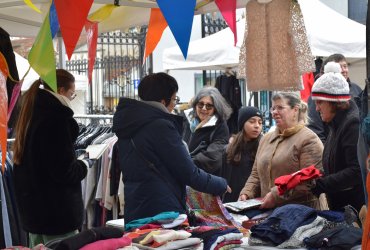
(229, 72)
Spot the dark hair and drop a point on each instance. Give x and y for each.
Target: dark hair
(64, 80)
(157, 87)
(240, 146)
(339, 106)
(222, 108)
(332, 58)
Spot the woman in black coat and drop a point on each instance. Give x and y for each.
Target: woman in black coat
(342, 182)
(47, 175)
(210, 133)
(239, 155)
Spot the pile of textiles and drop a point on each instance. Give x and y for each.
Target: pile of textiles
(210, 211)
(107, 238)
(170, 230)
(295, 226)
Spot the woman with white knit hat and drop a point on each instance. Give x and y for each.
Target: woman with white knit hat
(342, 181)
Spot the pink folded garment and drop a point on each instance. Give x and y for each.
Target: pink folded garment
(109, 244)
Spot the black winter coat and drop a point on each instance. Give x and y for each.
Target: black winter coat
(48, 181)
(157, 136)
(342, 182)
(236, 176)
(206, 146)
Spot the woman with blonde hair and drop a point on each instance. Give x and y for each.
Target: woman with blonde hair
(288, 149)
(47, 175)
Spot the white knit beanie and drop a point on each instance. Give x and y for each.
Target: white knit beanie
(331, 86)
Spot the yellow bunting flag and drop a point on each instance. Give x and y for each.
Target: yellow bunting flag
(102, 13)
(32, 6)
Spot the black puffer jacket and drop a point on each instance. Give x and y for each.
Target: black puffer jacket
(342, 182)
(207, 144)
(157, 136)
(48, 181)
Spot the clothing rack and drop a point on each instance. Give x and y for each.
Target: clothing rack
(95, 119)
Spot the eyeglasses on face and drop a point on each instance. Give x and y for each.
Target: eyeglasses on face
(278, 108)
(73, 96)
(176, 100)
(207, 105)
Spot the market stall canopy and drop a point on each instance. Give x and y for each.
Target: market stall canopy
(23, 65)
(19, 20)
(328, 32)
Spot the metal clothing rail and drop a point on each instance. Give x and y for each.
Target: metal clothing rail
(94, 116)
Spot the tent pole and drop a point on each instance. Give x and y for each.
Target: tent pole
(61, 51)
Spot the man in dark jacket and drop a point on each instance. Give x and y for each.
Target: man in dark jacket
(155, 163)
(315, 123)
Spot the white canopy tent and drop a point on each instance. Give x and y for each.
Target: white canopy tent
(328, 32)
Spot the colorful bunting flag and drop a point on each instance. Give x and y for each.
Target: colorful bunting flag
(41, 56)
(15, 94)
(53, 19)
(92, 38)
(102, 13)
(157, 24)
(3, 118)
(32, 6)
(4, 65)
(179, 16)
(228, 11)
(72, 16)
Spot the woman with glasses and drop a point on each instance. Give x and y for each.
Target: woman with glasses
(288, 149)
(155, 164)
(47, 175)
(210, 133)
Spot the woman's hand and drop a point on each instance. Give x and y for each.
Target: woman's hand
(243, 197)
(228, 189)
(268, 201)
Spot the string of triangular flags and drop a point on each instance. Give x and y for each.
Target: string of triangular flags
(71, 17)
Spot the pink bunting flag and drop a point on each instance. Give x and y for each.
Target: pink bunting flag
(3, 118)
(92, 39)
(228, 11)
(14, 98)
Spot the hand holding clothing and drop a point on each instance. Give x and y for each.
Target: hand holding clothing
(268, 201)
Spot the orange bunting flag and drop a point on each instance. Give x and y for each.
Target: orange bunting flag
(228, 11)
(3, 118)
(4, 65)
(157, 24)
(72, 16)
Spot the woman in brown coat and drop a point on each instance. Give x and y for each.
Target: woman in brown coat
(289, 148)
